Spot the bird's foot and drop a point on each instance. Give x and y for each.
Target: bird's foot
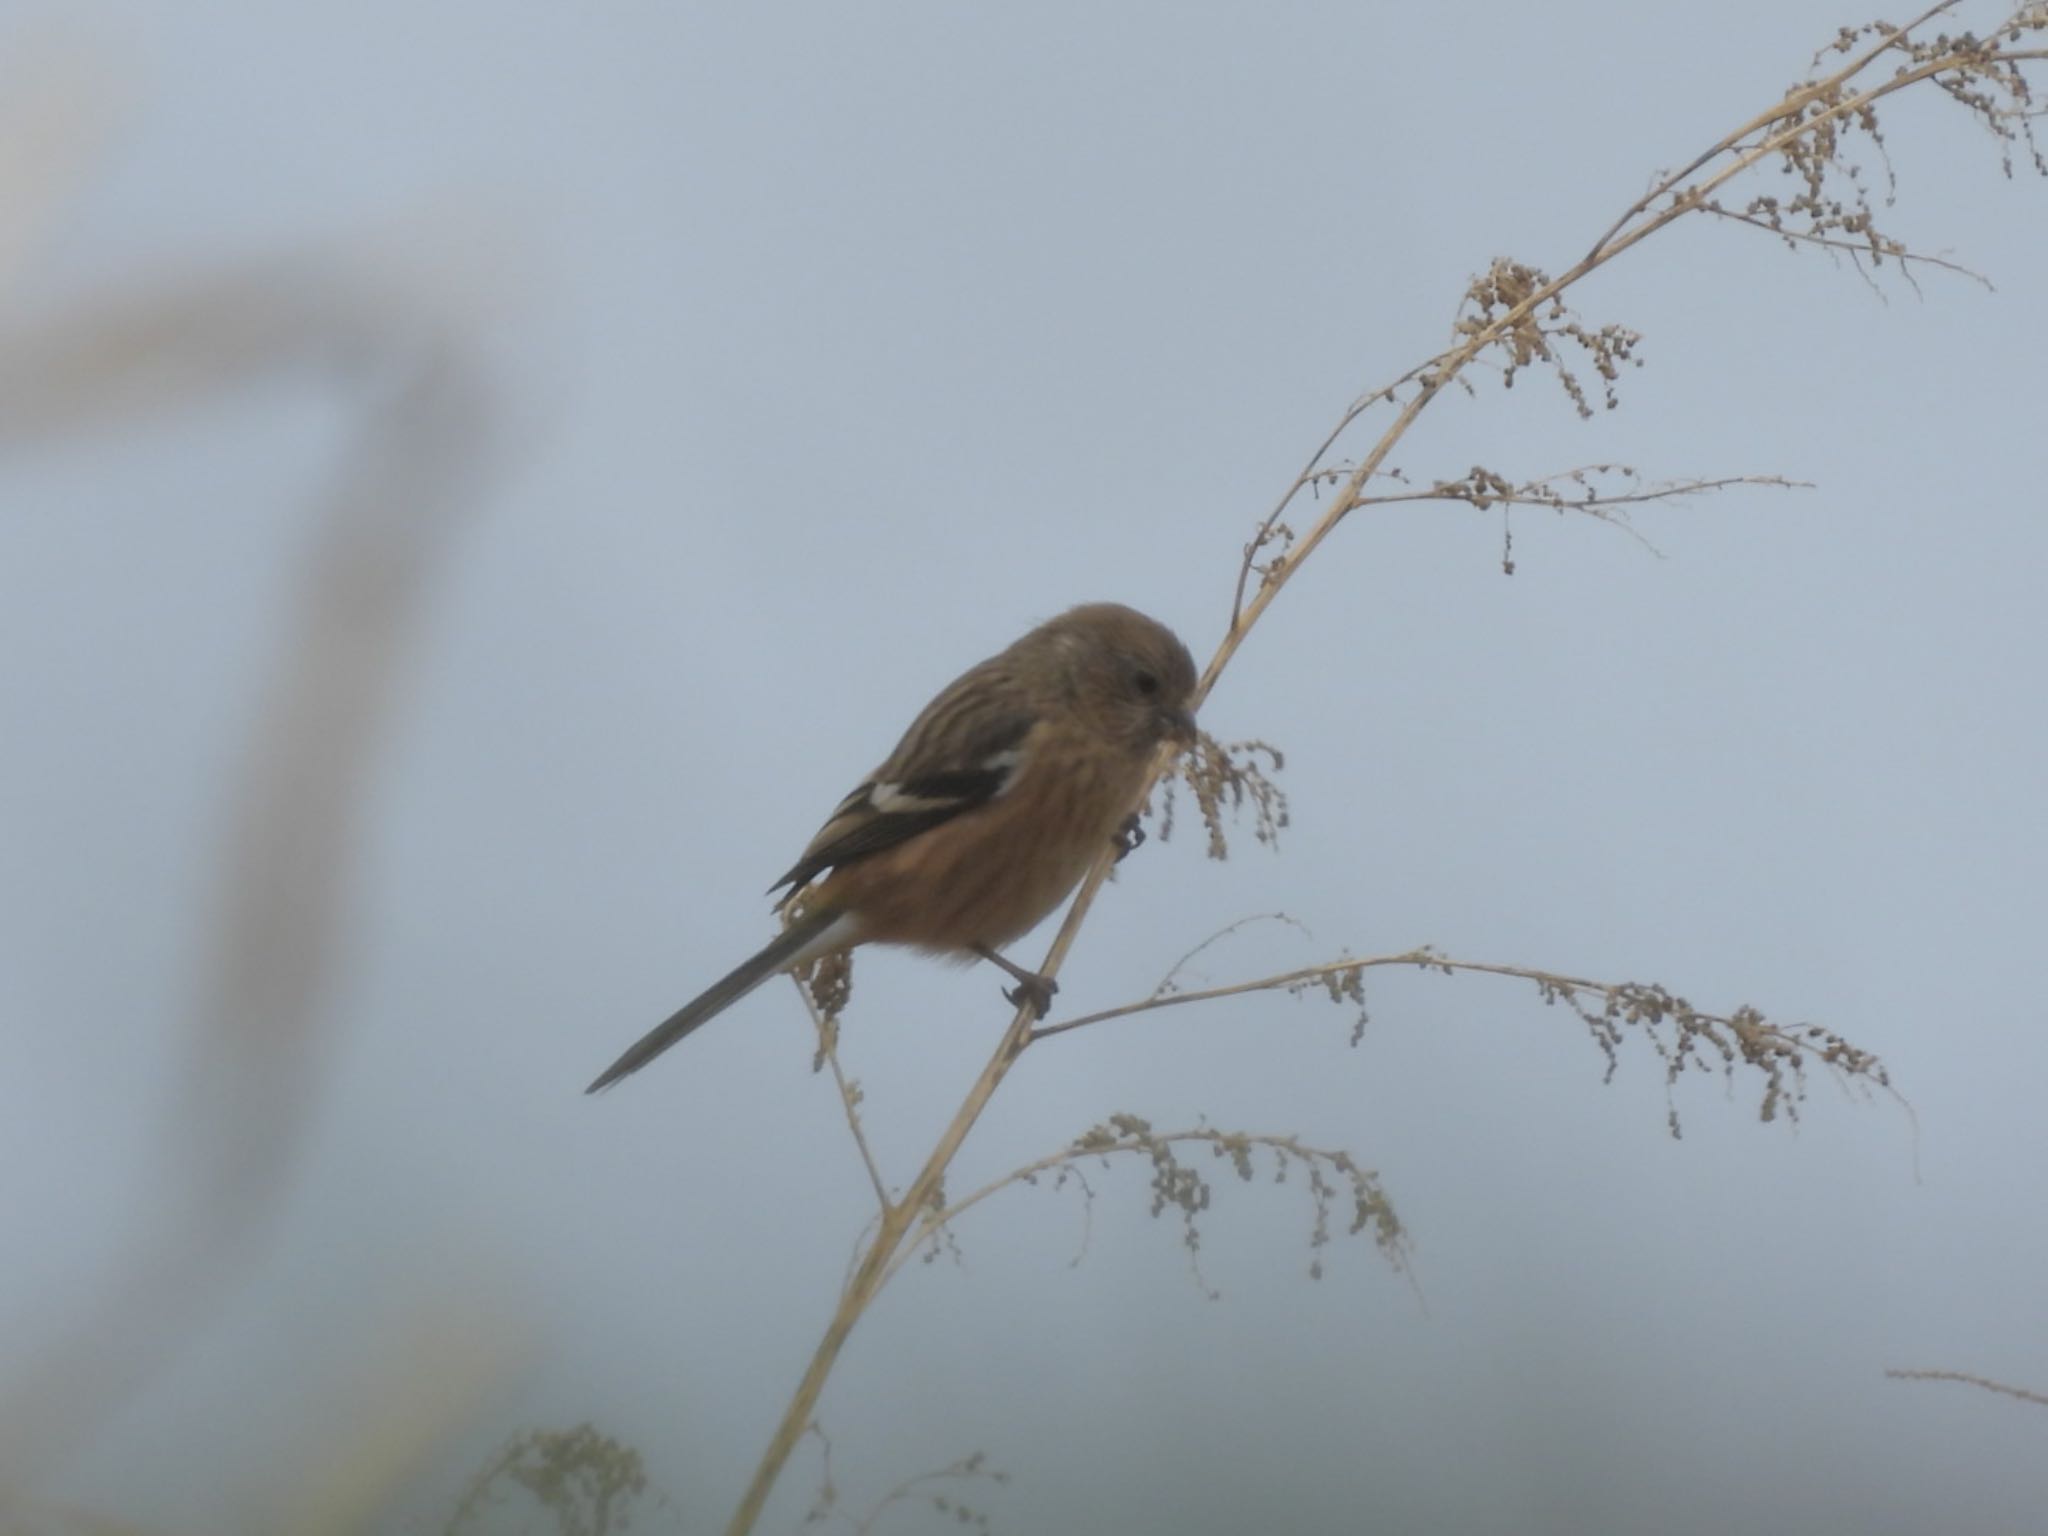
(1128, 838)
(1032, 989)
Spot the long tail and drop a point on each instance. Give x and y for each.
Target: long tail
(810, 936)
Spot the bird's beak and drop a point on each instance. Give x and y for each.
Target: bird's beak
(1180, 726)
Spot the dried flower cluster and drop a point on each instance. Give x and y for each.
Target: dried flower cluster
(1226, 779)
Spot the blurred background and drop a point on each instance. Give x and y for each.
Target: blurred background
(480, 482)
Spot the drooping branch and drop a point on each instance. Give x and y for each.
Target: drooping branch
(1984, 1383)
(1758, 216)
(1334, 1180)
(1576, 490)
(1225, 779)
(938, 1489)
(1684, 1037)
(1604, 492)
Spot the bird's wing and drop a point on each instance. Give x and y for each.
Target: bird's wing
(962, 752)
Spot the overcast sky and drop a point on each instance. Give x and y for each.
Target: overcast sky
(834, 347)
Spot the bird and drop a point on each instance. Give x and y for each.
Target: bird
(999, 797)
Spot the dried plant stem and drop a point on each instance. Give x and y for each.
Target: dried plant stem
(974, 1466)
(1508, 312)
(1637, 223)
(1143, 1144)
(425, 414)
(1528, 495)
(1854, 248)
(900, 1218)
(1424, 959)
(1970, 1380)
(935, 1218)
(828, 1048)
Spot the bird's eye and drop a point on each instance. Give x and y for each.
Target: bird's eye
(1147, 683)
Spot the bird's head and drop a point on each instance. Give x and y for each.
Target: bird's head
(1126, 676)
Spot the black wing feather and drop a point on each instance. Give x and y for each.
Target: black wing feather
(859, 828)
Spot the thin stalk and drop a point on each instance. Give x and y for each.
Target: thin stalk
(901, 1220)
(901, 1217)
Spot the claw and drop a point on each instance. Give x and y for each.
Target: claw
(1128, 838)
(1031, 988)
(1034, 991)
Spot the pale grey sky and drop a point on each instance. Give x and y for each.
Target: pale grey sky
(838, 346)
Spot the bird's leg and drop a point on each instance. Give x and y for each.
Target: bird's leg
(1031, 987)
(1128, 838)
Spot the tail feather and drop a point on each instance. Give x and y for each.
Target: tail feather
(813, 935)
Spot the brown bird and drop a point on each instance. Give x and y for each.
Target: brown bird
(989, 811)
